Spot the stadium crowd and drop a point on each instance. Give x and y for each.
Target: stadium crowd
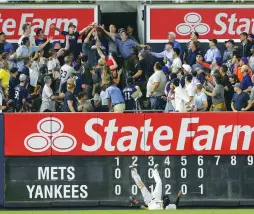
(113, 72)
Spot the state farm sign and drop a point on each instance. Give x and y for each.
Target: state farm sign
(210, 21)
(129, 134)
(12, 18)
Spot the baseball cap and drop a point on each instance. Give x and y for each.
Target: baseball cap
(230, 41)
(195, 33)
(232, 76)
(38, 31)
(175, 81)
(218, 60)
(245, 60)
(71, 25)
(172, 33)
(200, 54)
(13, 70)
(189, 77)
(237, 85)
(56, 45)
(25, 40)
(187, 67)
(22, 78)
(77, 67)
(170, 43)
(84, 58)
(214, 41)
(25, 70)
(251, 36)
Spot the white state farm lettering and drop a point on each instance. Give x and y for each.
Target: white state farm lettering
(232, 25)
(9, 26)
(55, 191)
(212, 139)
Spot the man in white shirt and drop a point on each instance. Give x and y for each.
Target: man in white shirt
(25, 51)
(155, 87)
(177, 63)
(181, 97)
(48, 98)
(153, 200)
(167, 54)
(27, 32)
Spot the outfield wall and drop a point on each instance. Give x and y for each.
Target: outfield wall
(82, 159)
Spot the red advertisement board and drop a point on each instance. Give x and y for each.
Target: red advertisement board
(128, 134)
(222, 22)
(43, 16)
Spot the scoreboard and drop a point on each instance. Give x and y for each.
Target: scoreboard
(107, 179)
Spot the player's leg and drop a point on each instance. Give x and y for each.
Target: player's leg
(157, 193)
(144, 191)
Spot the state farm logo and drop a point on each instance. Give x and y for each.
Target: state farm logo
(192, 23)
(50, 135)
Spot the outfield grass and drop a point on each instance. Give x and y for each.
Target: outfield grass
(193, 211)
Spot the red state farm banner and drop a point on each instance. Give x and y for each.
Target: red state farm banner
(43, 16)
(222, 22)
(112, 134)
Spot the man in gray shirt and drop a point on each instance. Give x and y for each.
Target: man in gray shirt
(228, 54)
(125, 46)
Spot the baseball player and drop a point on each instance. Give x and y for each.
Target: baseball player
(153, 200)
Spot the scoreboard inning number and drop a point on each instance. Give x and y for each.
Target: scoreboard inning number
(167, 171)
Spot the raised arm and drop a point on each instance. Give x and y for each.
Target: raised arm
(100, 52)
(48, 41)
(55, 28)
(87, 28)
(111, 35)
(67, 47)
(89, 35)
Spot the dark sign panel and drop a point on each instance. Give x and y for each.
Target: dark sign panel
(107, 180)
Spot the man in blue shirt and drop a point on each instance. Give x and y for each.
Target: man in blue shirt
(126, 46)
(13, 82)
(128, 92)
(213, 52)
(241, 100)
(73, 37)
(246, 83)
(5, 46)
(115, 98)
(21, 95)
(41, 40)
